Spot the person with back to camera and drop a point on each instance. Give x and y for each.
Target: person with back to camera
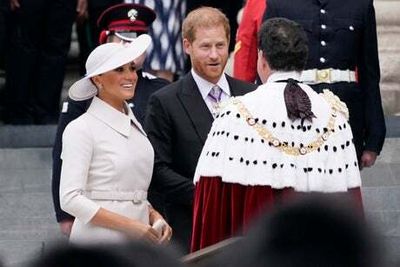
(343, 57)
(123, 22)
(273, 143)
(107, 158)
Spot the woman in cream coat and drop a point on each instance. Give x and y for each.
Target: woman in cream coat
(107, 158)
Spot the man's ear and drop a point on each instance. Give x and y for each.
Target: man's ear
(187, 46)
(263, 68)
(264, 62)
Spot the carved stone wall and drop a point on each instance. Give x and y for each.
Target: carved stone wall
(388, 28)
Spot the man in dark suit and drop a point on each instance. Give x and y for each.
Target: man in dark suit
(343, 57)
(180, 115)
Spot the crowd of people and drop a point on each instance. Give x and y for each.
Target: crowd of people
(191, 159)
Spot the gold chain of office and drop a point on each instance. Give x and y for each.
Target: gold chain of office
(284, 146)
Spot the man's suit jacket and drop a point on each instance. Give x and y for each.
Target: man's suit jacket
(177, 124)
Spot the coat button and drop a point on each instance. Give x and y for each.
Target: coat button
(323, 11)
(323, 43)
(323, 26)
(351, 28)
(322, 59)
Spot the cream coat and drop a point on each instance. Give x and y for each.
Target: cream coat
(107, 162)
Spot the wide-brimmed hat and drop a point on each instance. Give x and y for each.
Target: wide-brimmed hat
(104, 58)
(126, 21)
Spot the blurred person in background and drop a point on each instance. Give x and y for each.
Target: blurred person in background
(87, 30)
(166, 56)
(131, 254)
(5, 19)
(314, 230)
(40, 38)
(245, 53)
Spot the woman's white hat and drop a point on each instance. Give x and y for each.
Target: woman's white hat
(104, 58)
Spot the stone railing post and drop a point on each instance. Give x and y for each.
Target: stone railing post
(388, 28)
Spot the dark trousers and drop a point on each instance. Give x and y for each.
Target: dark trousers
(88, 32)
(40, 40)
(180, 219)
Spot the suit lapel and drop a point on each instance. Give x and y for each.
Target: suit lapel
(195, 107)
(236, 89)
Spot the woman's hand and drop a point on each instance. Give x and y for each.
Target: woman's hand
(165, 233)
(14, 4)
(143, 231)
(131, 227)
(81, 11)
(154, 215)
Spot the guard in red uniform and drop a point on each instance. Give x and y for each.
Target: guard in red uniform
(245, 53)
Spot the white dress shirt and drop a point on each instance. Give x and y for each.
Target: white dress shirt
(205, 88)
(107, 162)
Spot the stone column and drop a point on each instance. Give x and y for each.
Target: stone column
(388, 28)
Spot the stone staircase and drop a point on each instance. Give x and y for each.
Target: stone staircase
(27, 221)
(381, 196)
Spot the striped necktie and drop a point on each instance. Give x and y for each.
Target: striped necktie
(215, 95)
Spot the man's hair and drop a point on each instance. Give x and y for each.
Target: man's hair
(284, 44)
(204, 17)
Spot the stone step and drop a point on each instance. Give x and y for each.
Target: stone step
(385, 198)
(27, 136)
(26, 205)
(27, 222)
(387, 223)
(19, 252)
(25, 158)
(391, 246)
(43, 136)
(390, 94)
(25, 180)
(382, 174)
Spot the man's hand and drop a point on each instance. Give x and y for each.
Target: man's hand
(65, 226)
(81, 10)
(14, 4)
(368, 158)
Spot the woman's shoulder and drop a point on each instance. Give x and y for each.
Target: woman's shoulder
(79, 126)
